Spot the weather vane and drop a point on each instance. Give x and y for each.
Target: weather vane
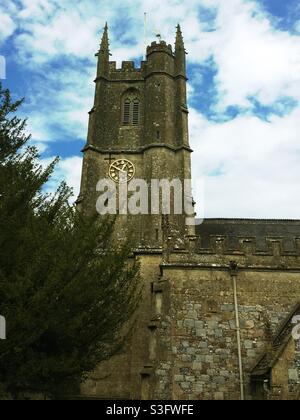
(158, 35)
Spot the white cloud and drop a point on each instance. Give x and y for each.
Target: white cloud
(41, 147)
(68, 169)
(7, 26)
(252, 57)
(64, 101)
(67, 33)
(258, 165)
(35, 10)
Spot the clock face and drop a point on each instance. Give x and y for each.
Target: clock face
(121, 171)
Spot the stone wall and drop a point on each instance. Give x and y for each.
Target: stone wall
(128, 373)
(285, 375)
(198, 316)
(184, 345)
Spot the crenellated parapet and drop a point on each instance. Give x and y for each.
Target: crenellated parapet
(219, 254)
(160, 59)
(127, 71)
(160, 47)
(248, 246)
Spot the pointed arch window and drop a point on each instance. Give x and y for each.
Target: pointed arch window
(131, 111)
(126, 112)
(135, 112)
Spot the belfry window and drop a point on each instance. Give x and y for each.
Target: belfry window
(126, 116)
(131, 111)
(136, 112)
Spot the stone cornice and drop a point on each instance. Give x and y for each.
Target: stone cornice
(141, 79)
(135, 151)
(224, 267)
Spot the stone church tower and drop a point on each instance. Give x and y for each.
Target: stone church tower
(221, 303)
(139, 116)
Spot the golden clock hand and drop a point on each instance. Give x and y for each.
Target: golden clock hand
(114, 166)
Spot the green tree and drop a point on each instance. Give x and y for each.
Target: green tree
(65, 290)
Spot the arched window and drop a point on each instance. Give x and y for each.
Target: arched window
(126, 115)
(131, 110)
(135, 112)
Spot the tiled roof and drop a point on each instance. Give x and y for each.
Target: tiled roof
(259, 229)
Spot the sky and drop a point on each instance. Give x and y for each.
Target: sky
(244, 88)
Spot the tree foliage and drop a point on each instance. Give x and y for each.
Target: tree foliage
(65, 290)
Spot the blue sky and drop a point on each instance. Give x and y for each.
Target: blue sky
(244, 87)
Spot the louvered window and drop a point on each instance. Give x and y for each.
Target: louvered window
(131, 112)
(126, 116)
(136, 112)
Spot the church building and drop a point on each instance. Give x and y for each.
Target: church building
(221, 299)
